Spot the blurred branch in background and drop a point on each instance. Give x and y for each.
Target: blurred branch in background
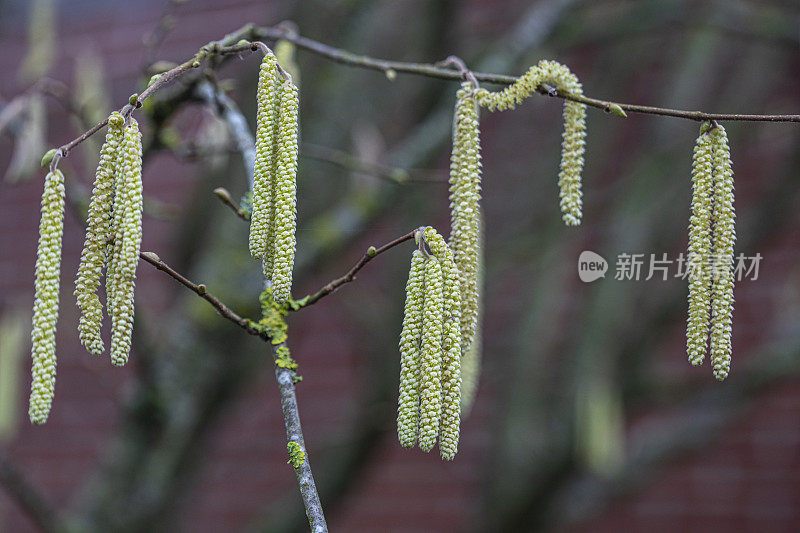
(30, 500)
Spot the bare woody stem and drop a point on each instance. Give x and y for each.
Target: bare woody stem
(286, 381)
(421, 69)
(369, 255)
(434, 71)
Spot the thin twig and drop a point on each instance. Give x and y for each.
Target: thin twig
(348, 161)
(423, 69)
(201, 291)
(225, 197)
(161, 81)
(286, 379)
(432, 71)
(29, 499)
(370, 254)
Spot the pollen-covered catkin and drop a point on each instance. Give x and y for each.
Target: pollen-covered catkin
(93, 257)
(465, 187)
(264, 165)
(431, 369)
(723, 241)
(451, 346)
(129, 234)
(410, 358)
(471, 360)
(45, 305)
(699, 252)
(573, 140)
(285, 193)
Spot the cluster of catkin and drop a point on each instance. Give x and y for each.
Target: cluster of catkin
(113, 238)
(573, 139)
(710, 254)
(465, 248)
(273, 219)
(430, 349)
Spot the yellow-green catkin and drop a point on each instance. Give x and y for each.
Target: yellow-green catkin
(723, 240)
(465, 194)
(45, 305)
(128, 239)
(93, 257)
(410, 357)
(285, 193)
(573, 139)
(265, 156)
(451, 346)
(430, 390)
(471, 360)
(699, 252)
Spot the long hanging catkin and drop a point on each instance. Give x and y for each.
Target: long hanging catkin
(711, 238)
(93, 257)
(430, 389)
(465, 187)
(451, 346)
(273, 220)
(723, 240)
(285, 193)
(699, 252)
(573, 140)
(410, 358)
(45, 305)
(128, 239)
(264, 174)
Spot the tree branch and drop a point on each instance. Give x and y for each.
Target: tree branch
(29, 499)
(432, 71)
(286, 379)
(371, 253)
(388, 67)
(347, 161)
(201, 291)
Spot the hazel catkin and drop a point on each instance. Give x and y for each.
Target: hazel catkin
(45, 305)
(408, 403)
(285, 193)
(128, 239)
(699, 251)
(430, 389)
(451, 346)
(264, 165)
(465, 187)
(573, 139)
(93, 257)
(723, 241)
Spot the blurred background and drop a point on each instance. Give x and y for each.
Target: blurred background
(588, 416)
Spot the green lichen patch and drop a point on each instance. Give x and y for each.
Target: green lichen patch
(296, 454)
